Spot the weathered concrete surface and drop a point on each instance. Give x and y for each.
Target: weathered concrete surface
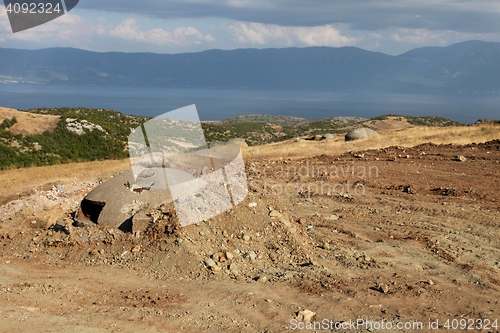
(360, 133)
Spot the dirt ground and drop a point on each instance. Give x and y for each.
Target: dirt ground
(395, 236)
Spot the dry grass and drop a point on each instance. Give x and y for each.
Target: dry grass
(408, 137)
(29, 123)
(391, 123)
(20, 180)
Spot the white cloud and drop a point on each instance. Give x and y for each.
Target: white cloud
(418, 37)
(258, 33)
(68, 28)
(428, 37)
(75, 31)
(379, 26)
(130, 30)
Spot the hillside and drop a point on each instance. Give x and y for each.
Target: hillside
(465, 68)
(55, 136)
(48, 136)
(284, 120)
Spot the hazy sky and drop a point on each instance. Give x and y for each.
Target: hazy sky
(176, 26)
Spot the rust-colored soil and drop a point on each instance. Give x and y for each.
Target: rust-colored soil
(399, 234)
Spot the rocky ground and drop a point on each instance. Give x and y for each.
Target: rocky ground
(394, 235)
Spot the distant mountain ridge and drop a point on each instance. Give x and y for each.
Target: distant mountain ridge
(467, 67)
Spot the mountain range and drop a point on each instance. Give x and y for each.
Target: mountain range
(465, 68)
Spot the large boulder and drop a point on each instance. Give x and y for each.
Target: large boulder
(360, 133)
(328, 136)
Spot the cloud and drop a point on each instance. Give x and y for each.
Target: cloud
(258, 33)
(73, 30)
(130, 30)
(194, 25)
(419, 37)
(460, 15)
(428, 37)
(64, 29)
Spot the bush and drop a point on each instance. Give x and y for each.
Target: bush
(8, 123)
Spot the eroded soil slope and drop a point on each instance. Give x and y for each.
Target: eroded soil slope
(396, 234)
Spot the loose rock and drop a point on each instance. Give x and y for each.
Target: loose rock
(274, 213)
(305, 316)
(251, 255)
(383, 288)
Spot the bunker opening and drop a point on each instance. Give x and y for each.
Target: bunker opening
(92, 209)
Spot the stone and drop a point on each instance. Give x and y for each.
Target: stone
(409, 189)
(140, 222)
(136, 248)
(251, 255)
(274, 213)
(285, 219)
(61, 226)
(233, 269)
(210, 262)
(246, 238)
(305, 316)
(216, 257)
(383, 288)
(460, 158)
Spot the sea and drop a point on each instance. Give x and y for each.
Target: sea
(216, 104)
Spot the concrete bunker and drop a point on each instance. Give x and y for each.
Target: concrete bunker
(361, 133)
(114, 202)
(193, 184)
